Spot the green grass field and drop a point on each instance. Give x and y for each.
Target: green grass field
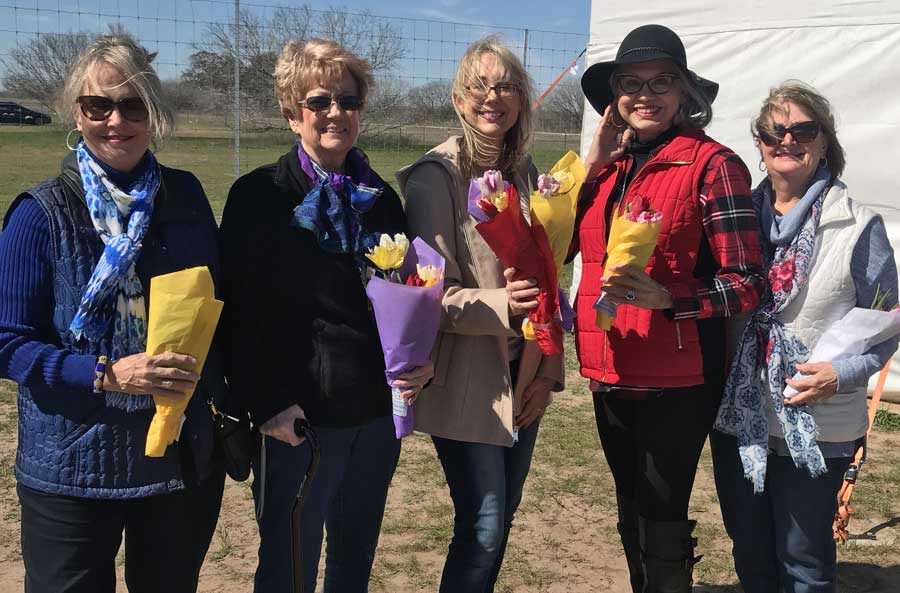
(30, 155)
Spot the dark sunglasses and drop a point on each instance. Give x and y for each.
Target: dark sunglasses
(658, 85)
(804, 132)
(324, 102)
(97, 108)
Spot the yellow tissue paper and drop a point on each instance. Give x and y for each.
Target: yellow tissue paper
(183, 315)
(557, 212)
(629, 243)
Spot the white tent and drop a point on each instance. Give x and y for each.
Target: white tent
(849, 50)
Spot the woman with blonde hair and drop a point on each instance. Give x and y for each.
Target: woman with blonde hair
(301, 337)
(468, 408)
(76, 257)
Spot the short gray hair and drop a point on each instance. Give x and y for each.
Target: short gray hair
(123, 53)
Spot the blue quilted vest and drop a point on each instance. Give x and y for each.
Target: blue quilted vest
(71, 443)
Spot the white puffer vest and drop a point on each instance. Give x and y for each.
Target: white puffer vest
(828, 295)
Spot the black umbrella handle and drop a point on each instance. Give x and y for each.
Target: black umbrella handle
(304, 430)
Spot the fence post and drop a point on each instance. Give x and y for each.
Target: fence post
(525, 51)
(237, 88)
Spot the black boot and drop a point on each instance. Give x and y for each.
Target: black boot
(668, 555)
(631, 541)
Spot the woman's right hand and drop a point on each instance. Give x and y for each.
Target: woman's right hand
(520, 293)
(281, 426)
(609, 143)
(165, 374)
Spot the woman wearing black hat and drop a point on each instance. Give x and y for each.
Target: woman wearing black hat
(657, 373)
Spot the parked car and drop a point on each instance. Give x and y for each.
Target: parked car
(13, 113)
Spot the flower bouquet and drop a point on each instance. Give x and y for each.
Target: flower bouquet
(494, 203)
(183, 315)
(406, 298)
(632, 239)
(853, 334)
(553, 206)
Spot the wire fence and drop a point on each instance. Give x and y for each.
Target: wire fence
(216, 57)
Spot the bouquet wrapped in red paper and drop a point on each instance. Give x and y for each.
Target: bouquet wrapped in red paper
(494, 203)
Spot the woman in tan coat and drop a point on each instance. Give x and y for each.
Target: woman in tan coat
(468, 407)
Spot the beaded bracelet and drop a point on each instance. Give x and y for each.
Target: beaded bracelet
(100, 373)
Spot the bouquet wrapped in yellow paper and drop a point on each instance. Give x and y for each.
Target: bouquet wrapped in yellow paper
(553, 204)
(632, 239)
(183, 315)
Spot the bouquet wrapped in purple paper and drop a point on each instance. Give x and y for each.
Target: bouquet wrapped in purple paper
(406, 299)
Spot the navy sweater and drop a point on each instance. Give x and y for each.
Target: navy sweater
(25, 270)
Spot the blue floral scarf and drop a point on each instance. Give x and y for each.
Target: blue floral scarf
(114, 296)
(767, 356)
(333, 209)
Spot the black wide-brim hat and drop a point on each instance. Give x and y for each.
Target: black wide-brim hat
(644, 44)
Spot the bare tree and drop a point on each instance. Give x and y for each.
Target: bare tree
(431, 101)
(563, 109)
(37, 69)
(376, 40)
(386, 104)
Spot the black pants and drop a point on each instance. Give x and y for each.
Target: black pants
(653, 446)
(69, 544)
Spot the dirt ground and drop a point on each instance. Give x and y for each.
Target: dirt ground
(564, 539)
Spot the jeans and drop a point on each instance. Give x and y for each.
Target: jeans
(782, 537)
(347, 498)
(69, 544)
(486, 484)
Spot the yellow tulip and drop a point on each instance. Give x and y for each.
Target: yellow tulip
(389, 253)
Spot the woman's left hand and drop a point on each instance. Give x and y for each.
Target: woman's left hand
(820, 383)
(632, 286)
(535, 399)
(414, 381)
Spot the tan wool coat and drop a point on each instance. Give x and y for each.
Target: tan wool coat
(470, 398)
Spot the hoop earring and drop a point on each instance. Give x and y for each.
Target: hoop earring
(823, 162)
(69, 135)
(762, 166)
(612, 116)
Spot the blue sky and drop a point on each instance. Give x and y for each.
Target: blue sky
(533, 14)
(435, 32)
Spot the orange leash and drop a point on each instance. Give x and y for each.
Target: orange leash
(844, 510)
(553, 84)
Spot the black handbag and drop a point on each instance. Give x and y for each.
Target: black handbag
(239, 441)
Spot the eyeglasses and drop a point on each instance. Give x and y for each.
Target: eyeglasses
(658, 85)
(97, 108)
(805, 131)
(504, 90)
(324, 102)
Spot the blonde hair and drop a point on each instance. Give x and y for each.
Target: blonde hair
(816, 105)
(133, 61)
(476, 150)
(317, 62)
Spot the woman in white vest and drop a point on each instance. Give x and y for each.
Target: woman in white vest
(779, 462)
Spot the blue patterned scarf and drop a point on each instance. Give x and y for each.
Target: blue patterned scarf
(333, 209)
(768, 354)
(114, 296)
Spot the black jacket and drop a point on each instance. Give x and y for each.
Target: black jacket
(298, 325)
